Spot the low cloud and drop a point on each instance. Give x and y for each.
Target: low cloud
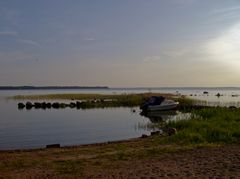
(9, 15)
(227, 10)
(178, 52)
(226, 14)
(29, 42)
(8, 33)
(14, 56)
(89, 39)
(183, 2)
(152, 59)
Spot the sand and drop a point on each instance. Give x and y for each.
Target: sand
(220, 162)
(205, 162)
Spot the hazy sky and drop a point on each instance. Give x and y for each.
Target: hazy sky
(120, 43)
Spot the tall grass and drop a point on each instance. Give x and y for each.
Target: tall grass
(212, 125)
(82, 96)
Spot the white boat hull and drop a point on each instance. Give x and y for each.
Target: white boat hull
(162, 107)
(159, 104)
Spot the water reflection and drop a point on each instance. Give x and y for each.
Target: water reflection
(165, 116)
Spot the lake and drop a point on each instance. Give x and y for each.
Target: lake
(37, 128)
(23, 129)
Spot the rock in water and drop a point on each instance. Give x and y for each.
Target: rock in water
(56, 105)
(29, 105)
(37, 105)
(53, 146)
(78, 104)
(48, 105)
(72, 105)
(155, 133)
(21, 105)
(144, 136)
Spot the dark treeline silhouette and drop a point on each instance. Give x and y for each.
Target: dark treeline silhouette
(50, 87)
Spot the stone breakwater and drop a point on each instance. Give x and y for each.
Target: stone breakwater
(47, 105)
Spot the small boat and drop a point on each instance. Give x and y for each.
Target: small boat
(158, 103)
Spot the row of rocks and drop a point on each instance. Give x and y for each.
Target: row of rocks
(206, 93)
(45, 105)
(218, 94)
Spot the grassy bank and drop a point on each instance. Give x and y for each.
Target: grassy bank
(212, 125)
(104, 100)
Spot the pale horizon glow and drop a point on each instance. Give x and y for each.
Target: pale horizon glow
(139, 43)
(225, 48)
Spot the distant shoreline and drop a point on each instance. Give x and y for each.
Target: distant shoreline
(50, 87)
(115, 88)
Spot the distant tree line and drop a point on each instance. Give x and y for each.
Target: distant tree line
(50, 87)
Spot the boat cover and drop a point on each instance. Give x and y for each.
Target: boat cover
(156, 100)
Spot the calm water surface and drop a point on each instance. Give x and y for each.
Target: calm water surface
(37, 128)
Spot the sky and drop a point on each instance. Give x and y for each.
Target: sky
(120, 43)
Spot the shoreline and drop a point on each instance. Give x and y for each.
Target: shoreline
(74, 146)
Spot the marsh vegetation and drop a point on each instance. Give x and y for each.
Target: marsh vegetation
(102, 101)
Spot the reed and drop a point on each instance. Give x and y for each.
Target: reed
(212, 125)
(82, 96)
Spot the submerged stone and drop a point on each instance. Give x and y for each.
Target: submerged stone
(144, 136)
(55, 105)
(21, 105)
(63, 105)
(44, 105)
(48, 105)
(155, 133)
(37, 105)
(78, 104)
(29, 105)
(53, 146)
(232, 107)
(72, 105)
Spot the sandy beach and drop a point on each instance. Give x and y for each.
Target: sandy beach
(128, 159)
(220, 162)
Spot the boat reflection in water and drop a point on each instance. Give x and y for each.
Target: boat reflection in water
(165, 116)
